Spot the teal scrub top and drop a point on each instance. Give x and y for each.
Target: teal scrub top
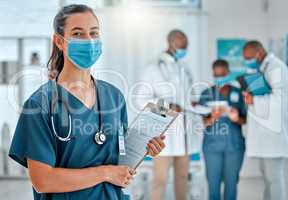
(35, 139)
(224, 135)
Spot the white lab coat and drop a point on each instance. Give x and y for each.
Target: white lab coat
(267, 122)
(169, 80)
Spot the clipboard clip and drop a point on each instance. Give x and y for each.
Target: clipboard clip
(161, 108)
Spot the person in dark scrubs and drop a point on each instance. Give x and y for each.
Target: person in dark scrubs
(75, 164)
(223, 144)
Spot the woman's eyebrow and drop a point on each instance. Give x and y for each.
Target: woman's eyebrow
(80, 29)
(77, 28)
(94, 27)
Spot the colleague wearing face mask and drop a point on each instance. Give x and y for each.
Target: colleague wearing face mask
(169, 79)
(223, 144)
(68, 134)
(267, 131)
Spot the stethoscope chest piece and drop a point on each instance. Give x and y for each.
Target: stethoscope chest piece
(100, 138)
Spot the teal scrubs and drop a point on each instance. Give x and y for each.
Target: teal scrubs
(35, 139)
(224, 146)
(224, 135)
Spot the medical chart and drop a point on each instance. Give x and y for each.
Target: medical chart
(147, 125)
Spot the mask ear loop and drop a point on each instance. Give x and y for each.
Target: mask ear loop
(60, 36)
(65, 40)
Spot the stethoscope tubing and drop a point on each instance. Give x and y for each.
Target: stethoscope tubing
(99, 133)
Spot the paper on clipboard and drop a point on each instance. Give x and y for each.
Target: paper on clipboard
(149, 123)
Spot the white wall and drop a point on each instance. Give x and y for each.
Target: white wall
(278, 15)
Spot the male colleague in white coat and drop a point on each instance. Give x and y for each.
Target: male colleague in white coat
(169, 79)
(267, 122)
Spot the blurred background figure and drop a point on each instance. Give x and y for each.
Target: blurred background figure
(169, 79)
(224, 143)
(35, 59)
(267, 138)
(5, 134)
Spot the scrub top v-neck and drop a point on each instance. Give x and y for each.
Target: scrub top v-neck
(34, 138)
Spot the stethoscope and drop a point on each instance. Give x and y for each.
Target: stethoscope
(99, 137)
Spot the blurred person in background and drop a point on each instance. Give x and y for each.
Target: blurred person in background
(35, 58)
(267, 134)
(168, 79)
(224, 144)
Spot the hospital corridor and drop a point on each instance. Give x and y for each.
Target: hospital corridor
(144, 100)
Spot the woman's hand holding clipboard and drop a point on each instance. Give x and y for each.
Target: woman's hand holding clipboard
(145, 135)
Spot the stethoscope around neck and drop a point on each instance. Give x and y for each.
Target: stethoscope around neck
(99, 137)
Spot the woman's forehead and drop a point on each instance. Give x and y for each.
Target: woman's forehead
(84, 21)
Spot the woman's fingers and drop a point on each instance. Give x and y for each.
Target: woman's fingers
(153, 150)
(121, 175)
(160, 142)
(132, 172)
(128, 172)
(127, 176)
(156, 144)
(162, 136)
(126, 182)
(149, 151)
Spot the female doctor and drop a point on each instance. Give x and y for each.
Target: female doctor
(70, 143)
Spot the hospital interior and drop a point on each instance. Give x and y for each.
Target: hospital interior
(133, 35)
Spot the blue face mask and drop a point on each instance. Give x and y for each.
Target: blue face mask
(180, 53)
(252, 63)
(221, 81)
(83, 53)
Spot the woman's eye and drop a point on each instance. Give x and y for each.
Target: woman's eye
(94, 34)
(76, 34)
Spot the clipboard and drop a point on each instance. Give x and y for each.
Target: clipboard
(255, 83)
(152, 121)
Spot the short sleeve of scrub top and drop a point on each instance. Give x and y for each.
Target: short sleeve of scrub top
(33, 138)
